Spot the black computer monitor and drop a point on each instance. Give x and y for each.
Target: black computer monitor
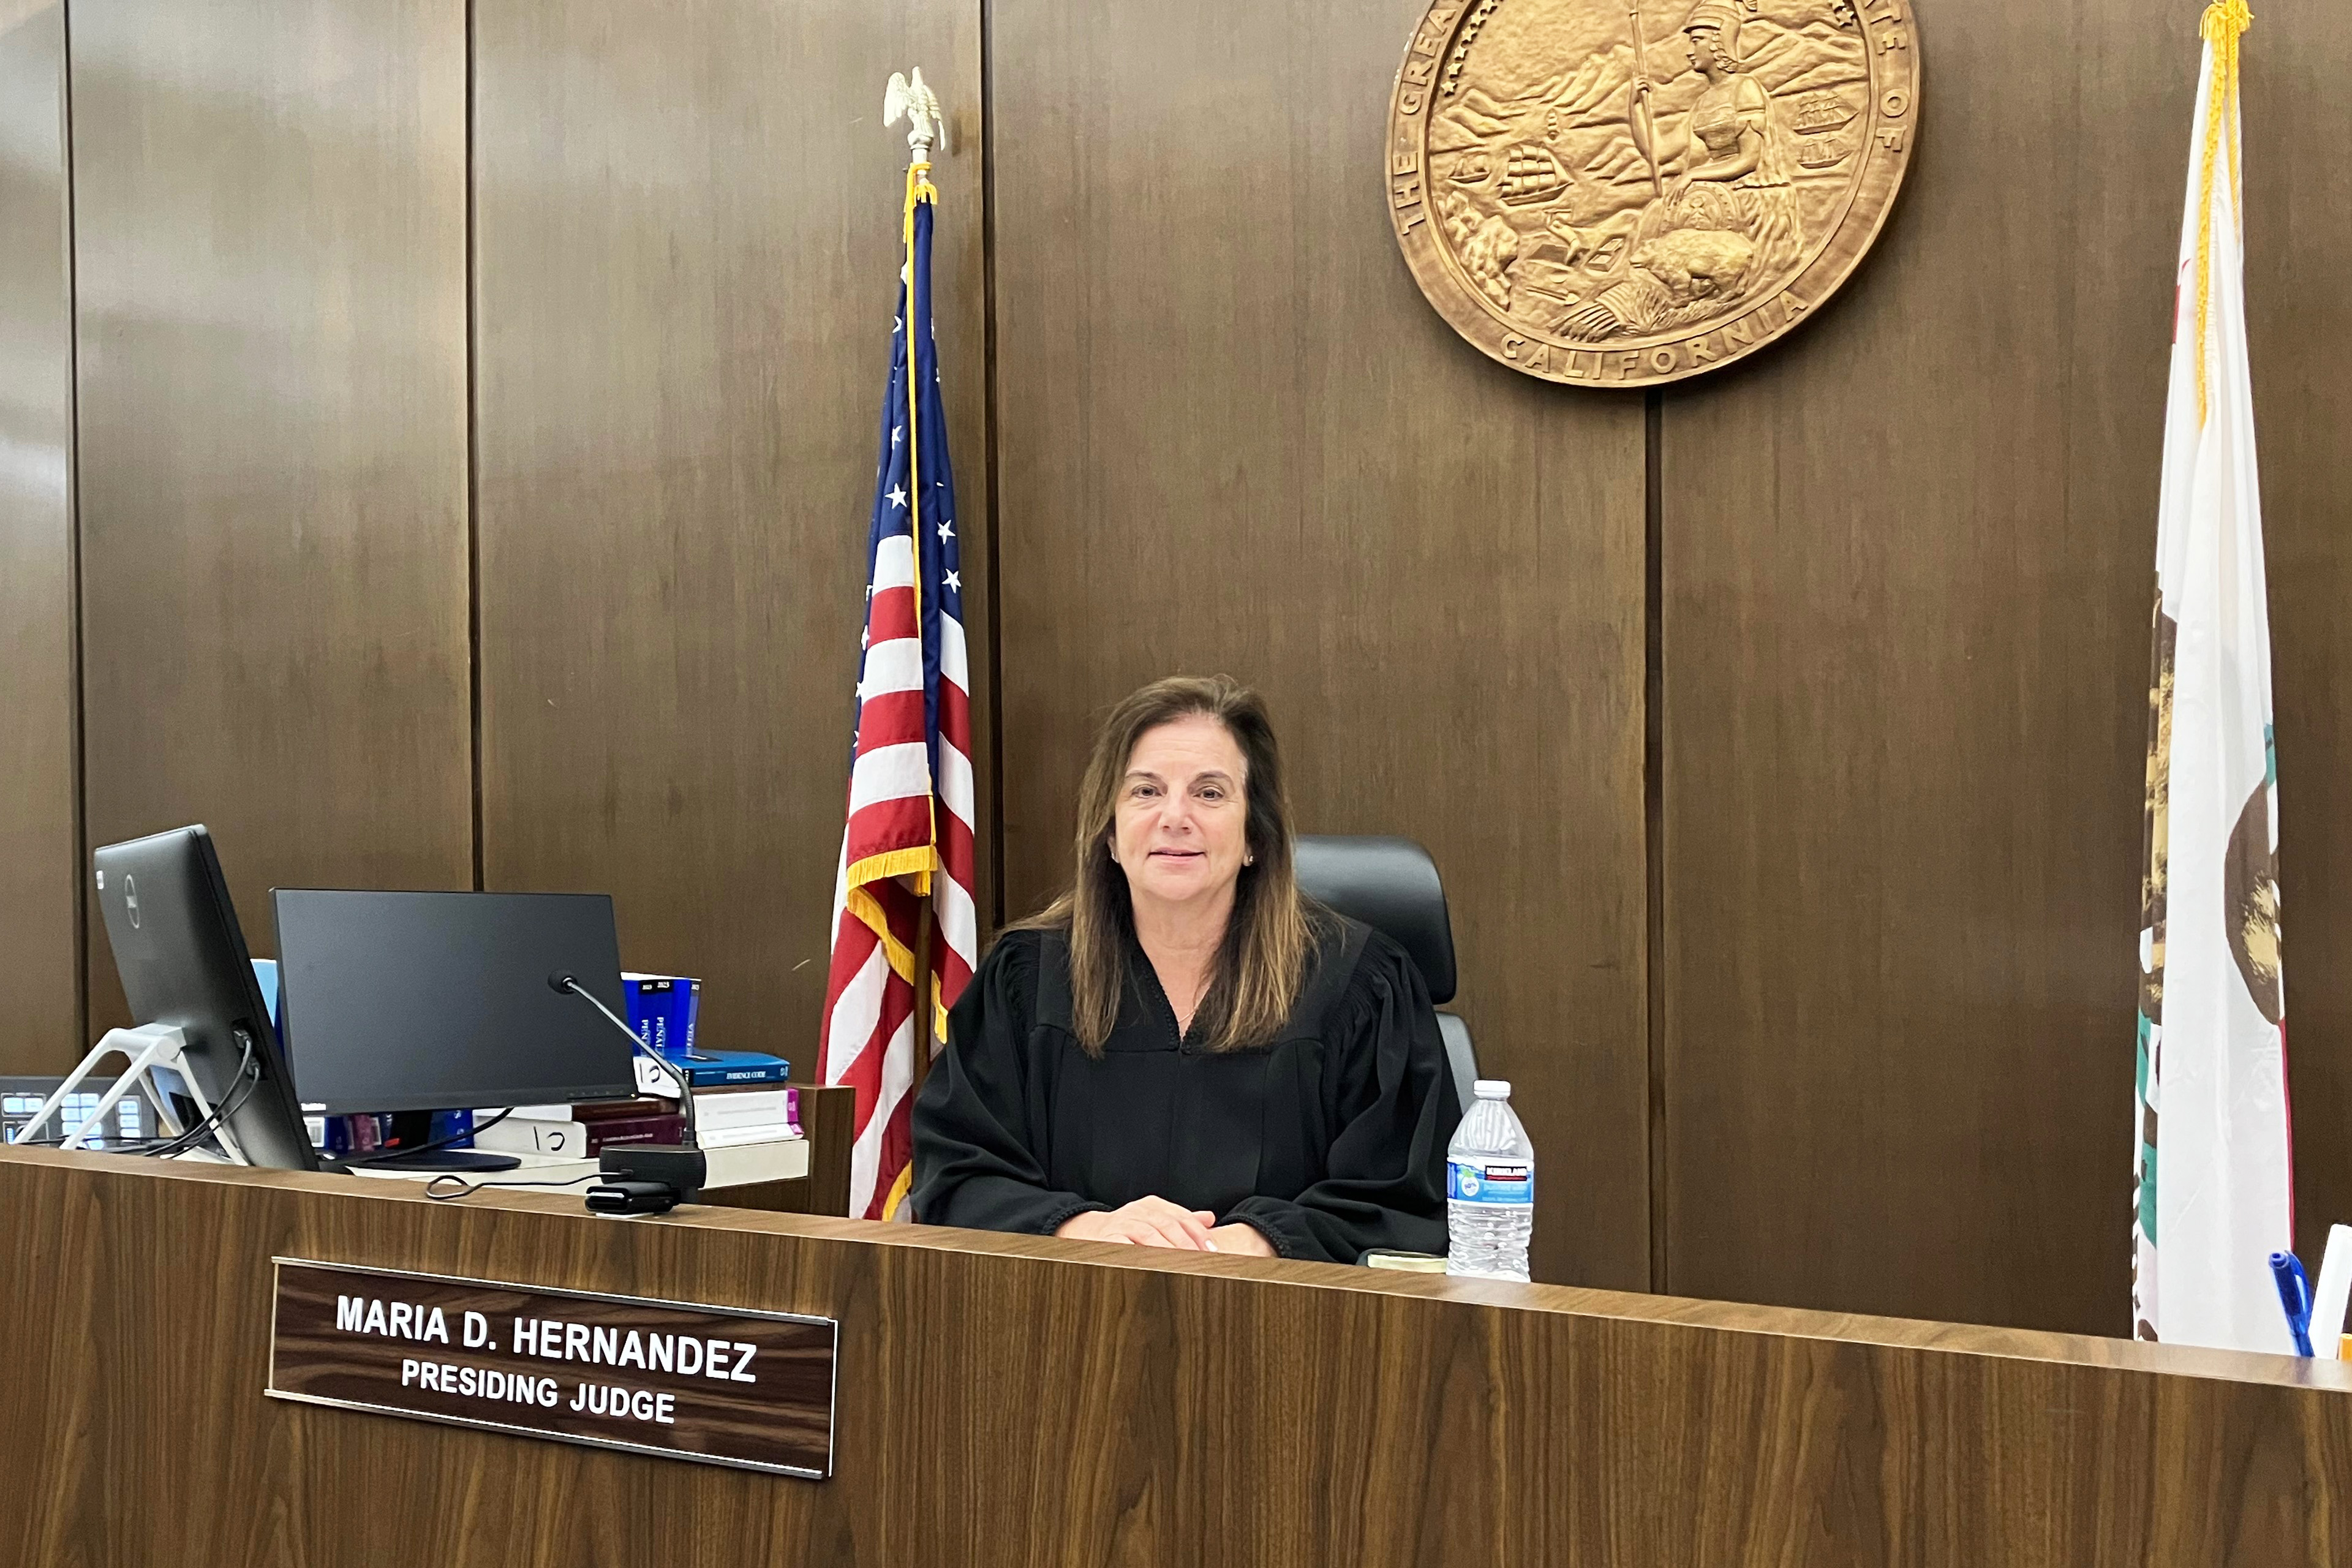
(182, 960)
(442, 1001)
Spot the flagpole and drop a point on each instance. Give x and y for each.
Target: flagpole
(913, 97)
(910, 96)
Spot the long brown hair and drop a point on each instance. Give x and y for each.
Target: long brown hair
(1262, 963)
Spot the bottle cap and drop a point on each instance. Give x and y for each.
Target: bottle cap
(1491, 1089)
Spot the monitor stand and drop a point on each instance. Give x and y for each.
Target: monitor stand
(149, 1047)
(441, 1159)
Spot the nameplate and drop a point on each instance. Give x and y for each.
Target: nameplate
(672, 1379)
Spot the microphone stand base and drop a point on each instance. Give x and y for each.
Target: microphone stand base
(683, 1169)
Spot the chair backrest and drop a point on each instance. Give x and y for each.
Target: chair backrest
(1461, 1056)
(1390, 885)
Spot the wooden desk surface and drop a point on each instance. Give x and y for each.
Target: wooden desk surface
(1025, 1401)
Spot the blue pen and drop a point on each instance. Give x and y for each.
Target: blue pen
(2295, 1298)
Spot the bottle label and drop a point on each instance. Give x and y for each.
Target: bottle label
(1490, 1181)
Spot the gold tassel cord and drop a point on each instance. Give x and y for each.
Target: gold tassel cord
(2225, 22)
(920, 189)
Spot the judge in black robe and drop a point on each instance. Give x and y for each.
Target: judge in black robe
(1331, 1143)
(1303, 1105)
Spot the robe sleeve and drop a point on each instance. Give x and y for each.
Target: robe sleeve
(973, 1137)
(1396, 1108)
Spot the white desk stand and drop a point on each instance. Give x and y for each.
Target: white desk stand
(149, 1047)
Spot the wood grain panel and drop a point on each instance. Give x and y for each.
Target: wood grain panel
(270, 266)
(1234, 438)
(1906, 564)
(1025, 1401)
(41, 854)
(2299, 211)
(688, 240)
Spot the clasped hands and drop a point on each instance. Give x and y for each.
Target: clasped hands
(1156, 1222)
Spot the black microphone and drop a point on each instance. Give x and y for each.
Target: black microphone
(633, 1169)
(562, 982)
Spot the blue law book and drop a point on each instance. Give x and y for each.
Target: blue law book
(712, 1069)
(662, 1009)
(708, 1070)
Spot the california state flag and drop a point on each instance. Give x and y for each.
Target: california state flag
(2215, 1189)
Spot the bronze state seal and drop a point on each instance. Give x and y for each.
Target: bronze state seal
(1623, 196)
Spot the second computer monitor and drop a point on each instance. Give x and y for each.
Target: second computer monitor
(182, 959)
(437, 1001)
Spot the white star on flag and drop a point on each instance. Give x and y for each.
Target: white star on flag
(898, 496)
(897, 434)
(946, 531)
(955, 581)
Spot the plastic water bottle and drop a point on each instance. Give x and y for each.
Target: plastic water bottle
(1490, 1189)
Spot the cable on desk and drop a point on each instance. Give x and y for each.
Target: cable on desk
(392, 1156)
(240, 1090)
(465, 1189)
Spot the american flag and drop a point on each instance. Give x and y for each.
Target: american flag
(910, 835)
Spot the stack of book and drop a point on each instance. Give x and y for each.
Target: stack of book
(740, 1098)
(766, 1114)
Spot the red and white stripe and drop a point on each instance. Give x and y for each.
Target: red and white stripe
(905, 831)
(955, 929)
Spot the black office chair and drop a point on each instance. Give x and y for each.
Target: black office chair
(1390, 885)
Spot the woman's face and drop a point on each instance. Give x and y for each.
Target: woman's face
(1181, 826)
(1703, 56)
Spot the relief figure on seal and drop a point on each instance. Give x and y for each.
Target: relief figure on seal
(1728, 222)
(1608, 174)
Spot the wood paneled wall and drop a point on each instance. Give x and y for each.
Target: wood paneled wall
(269, 221)
(1234, 439)
(1793, 853)
(40, 875)
(1907, 564)
(686, 221)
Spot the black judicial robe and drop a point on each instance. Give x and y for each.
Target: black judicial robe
(1330, 1141)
